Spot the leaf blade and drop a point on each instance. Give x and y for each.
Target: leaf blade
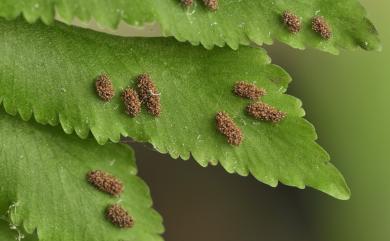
(235, 23)
(52, 79)
(44, 186)
(8, 234)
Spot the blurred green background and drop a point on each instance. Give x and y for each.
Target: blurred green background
(346, 97)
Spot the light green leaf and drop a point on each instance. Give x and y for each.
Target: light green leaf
(44, 187)
(50, 72)
(236, 21)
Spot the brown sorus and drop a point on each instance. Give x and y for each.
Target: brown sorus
(104, 87)
(320, 26)
(132, 102)
(247, 90)
(145, 85)
(105, 182)
(292, 21)
(153, 105)
(149, 94)
(211, 4)
(265, 112)
(118, 216)
(226, 126)
(187, 3)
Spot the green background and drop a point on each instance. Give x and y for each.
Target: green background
(348, 97)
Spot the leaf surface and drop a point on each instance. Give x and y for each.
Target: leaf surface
(236, 21)
(44, 187)
(8, 233)
(49, 72)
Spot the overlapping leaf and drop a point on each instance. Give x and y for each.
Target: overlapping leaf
(11, 233)
(5, 232)
(236, 21)
(44, 188)
(49, 72)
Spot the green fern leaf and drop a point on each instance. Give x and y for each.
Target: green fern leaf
(235, 22)
(9, 232)
(49, 72)
(44, 187)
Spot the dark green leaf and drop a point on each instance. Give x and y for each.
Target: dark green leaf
(12, 233)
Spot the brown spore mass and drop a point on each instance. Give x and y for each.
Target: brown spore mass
(105, 182)
(118, 216)
(149, 94)
(226, 126)
(320, 26)
(292, 21)
(249, 91)
(187, 3)
(211, 4)
(154, 105)
(104, 87)
(131, 101)
(265, 112)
